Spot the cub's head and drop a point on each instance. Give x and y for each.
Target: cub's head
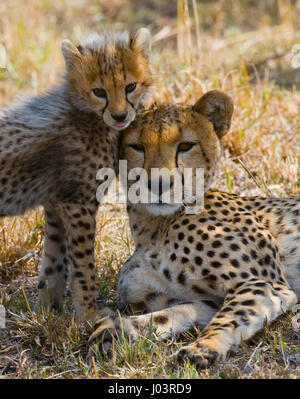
(110, 74)
(173, 138)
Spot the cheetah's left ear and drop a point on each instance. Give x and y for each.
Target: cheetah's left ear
(218, 108)
(142, 42)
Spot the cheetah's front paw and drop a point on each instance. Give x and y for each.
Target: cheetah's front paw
(108, 329)
(105, 331)
(197, 353)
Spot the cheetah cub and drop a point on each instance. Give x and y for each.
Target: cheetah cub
(226, 269)
(52, 145)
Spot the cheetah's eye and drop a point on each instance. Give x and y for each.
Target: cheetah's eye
(99, 92)
(137, 147)
(185, 146)
(130, 88)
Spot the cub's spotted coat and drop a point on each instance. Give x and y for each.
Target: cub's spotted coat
(52, 145)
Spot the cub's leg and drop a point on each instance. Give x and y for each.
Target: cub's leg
(69, 239)
(54, 268)
(79, 222)
(242, 315)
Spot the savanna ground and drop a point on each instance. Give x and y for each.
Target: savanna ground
(243, 47)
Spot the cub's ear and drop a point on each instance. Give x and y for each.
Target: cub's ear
(218, 108)
(70, 52)
(141, 42)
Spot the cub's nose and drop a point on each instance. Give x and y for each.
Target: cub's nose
(119, 117)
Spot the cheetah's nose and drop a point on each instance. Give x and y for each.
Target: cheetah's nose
(119, 117)
(155, 187)
(158, 187)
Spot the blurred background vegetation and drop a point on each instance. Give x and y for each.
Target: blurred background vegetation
(214, 35)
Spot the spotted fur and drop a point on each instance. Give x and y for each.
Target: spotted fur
(52, 145)
(227, 269)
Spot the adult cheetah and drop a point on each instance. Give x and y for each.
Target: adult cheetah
(52, 145)
(226, 269)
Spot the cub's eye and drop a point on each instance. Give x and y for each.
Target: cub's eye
(99, 93)
(130, 88)
(185, 146)
(137, 147)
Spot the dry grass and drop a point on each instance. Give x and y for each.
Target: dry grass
(233, 48)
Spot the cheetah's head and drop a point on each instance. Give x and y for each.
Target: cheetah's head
(110, 74)
(173, 138)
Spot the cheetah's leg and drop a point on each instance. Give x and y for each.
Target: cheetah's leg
(241, 316)
(138, 283)
(54, 268)
(166, 322)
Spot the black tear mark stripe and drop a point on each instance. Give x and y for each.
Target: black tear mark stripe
(204, 153)
(181, 174)
(106, 104)
(130, 103)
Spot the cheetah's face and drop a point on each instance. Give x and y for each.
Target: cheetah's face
(176, 138)
(110, 75)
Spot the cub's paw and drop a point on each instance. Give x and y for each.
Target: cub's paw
(50, 299)
(198, 354)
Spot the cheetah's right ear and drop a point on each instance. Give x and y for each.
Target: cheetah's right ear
(70, 52)
(141, 42)
(218, 108)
